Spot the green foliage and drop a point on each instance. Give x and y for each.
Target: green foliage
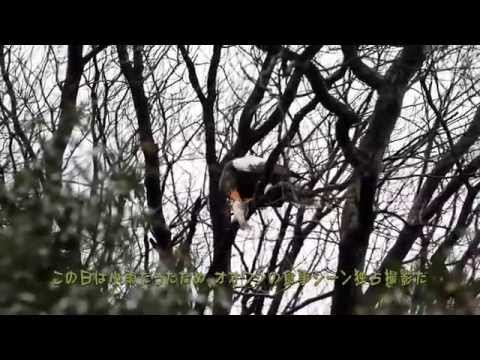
(87, 233)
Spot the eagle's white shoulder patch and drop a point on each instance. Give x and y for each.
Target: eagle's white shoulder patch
(267, 188)
(246, 162)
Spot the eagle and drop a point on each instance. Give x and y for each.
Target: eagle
(239, 179)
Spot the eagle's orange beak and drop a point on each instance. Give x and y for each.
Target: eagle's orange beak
(234, 195)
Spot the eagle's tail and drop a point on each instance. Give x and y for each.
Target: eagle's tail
(299, 196)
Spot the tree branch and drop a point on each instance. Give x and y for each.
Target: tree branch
(366, 74)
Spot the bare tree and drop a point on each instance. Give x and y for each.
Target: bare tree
(111, 158)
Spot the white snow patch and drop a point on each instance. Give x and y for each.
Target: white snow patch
(246, 162)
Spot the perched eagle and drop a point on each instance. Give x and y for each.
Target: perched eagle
(239, 179)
